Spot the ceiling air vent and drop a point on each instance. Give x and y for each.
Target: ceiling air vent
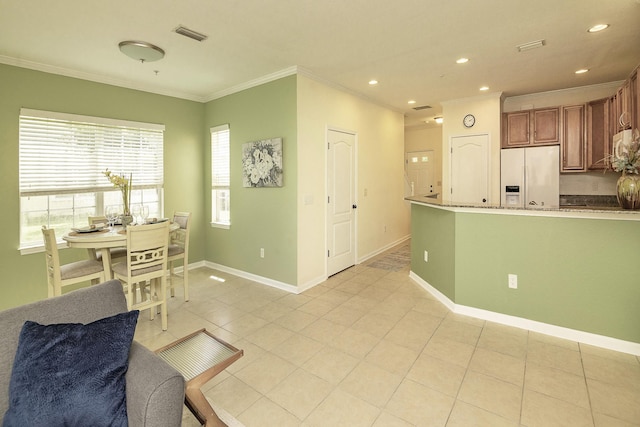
(190, 33)
(422, 107)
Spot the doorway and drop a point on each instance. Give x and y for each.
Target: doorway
(341, 201)
(419, 166)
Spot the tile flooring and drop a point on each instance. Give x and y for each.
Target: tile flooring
(369, 347)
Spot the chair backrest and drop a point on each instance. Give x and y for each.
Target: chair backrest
(97, 220)
(180, 236)
(147, 247)
(52, 258)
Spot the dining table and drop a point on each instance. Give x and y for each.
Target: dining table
(103, 239)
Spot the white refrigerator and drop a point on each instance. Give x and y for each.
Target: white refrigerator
(530, 177)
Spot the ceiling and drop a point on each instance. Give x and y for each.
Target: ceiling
(409, 46)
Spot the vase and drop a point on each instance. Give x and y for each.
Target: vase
(628, 191)
(126, 220)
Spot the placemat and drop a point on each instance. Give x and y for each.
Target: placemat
(75, 233)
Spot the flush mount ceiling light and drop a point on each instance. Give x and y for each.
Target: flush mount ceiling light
(141, 51)
(597, 28)
(462, 61)
(373, 82)
(582, 71)
(411, 102)
(530, 45)
(484, 88)
(438, 120)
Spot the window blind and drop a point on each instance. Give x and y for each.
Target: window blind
(220, 170)
(65, 153)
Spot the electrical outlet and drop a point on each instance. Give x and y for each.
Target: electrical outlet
(513, 281)
(261, 252)
(426, 256)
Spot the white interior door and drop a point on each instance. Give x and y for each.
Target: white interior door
(470, 169)
(341, 203)
(420, 172)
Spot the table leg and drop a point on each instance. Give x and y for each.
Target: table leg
(106, 263)
(200, 407)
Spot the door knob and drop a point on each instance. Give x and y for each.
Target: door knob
(484, 200)
(354, 206)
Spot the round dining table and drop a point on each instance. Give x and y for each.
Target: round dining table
(103, 240)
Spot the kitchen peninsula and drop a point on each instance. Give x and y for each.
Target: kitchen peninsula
(577, 271)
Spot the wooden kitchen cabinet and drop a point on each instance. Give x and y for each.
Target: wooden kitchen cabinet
(573, 147)
(515, 129)
(598, 134)
(546, 126)
(531, 127)
(634, 90)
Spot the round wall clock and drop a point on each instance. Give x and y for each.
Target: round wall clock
(469, 120)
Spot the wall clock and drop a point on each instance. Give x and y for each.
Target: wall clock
(469, 120)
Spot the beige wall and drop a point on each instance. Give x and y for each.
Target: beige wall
(380, 173)
(486, 109)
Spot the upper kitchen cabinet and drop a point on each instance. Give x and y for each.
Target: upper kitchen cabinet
(573, 145)
(531, 127)
(598, 134)
(634, 91)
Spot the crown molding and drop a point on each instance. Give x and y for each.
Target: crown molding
(51, 69)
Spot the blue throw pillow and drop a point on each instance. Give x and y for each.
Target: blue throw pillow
(71, 374)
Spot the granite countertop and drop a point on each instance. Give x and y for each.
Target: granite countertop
(575, 206)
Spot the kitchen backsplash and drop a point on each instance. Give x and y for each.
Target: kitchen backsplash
(589, 183)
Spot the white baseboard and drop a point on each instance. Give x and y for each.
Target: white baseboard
(531, 325)
(260, 279)
(383, 249)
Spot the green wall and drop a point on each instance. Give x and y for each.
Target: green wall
(260, 217)
(578, 273)
(433, 230)
(24, 277)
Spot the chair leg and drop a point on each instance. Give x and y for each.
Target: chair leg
(163, 305)
(170, 284)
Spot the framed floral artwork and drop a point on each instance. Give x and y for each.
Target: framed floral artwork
(262, 163)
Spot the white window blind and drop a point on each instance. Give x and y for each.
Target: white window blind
(65, 153)
(220, 175)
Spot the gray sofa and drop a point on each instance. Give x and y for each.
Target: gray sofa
(155, 391)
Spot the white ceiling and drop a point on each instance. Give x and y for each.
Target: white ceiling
(409, 46)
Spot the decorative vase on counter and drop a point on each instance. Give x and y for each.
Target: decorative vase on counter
(628, 191)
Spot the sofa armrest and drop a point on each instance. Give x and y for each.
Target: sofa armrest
(155, 390)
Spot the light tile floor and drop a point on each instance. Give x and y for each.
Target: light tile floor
(369, 347)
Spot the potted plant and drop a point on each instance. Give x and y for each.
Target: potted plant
(627, 161)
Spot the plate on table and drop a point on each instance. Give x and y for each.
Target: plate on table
(89, 229)
(156, 220)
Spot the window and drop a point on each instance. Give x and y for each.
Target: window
(62, 160)
(220, 177)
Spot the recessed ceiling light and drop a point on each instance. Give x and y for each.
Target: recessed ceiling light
(462, 60)
(373, 82)
(597, 28)
(438, 120)
(582, 71)
(484, 88)
(412, 102)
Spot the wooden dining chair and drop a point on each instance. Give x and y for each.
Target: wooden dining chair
(116, 253)
(58, 275)
(179, 249)
(146, 263)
